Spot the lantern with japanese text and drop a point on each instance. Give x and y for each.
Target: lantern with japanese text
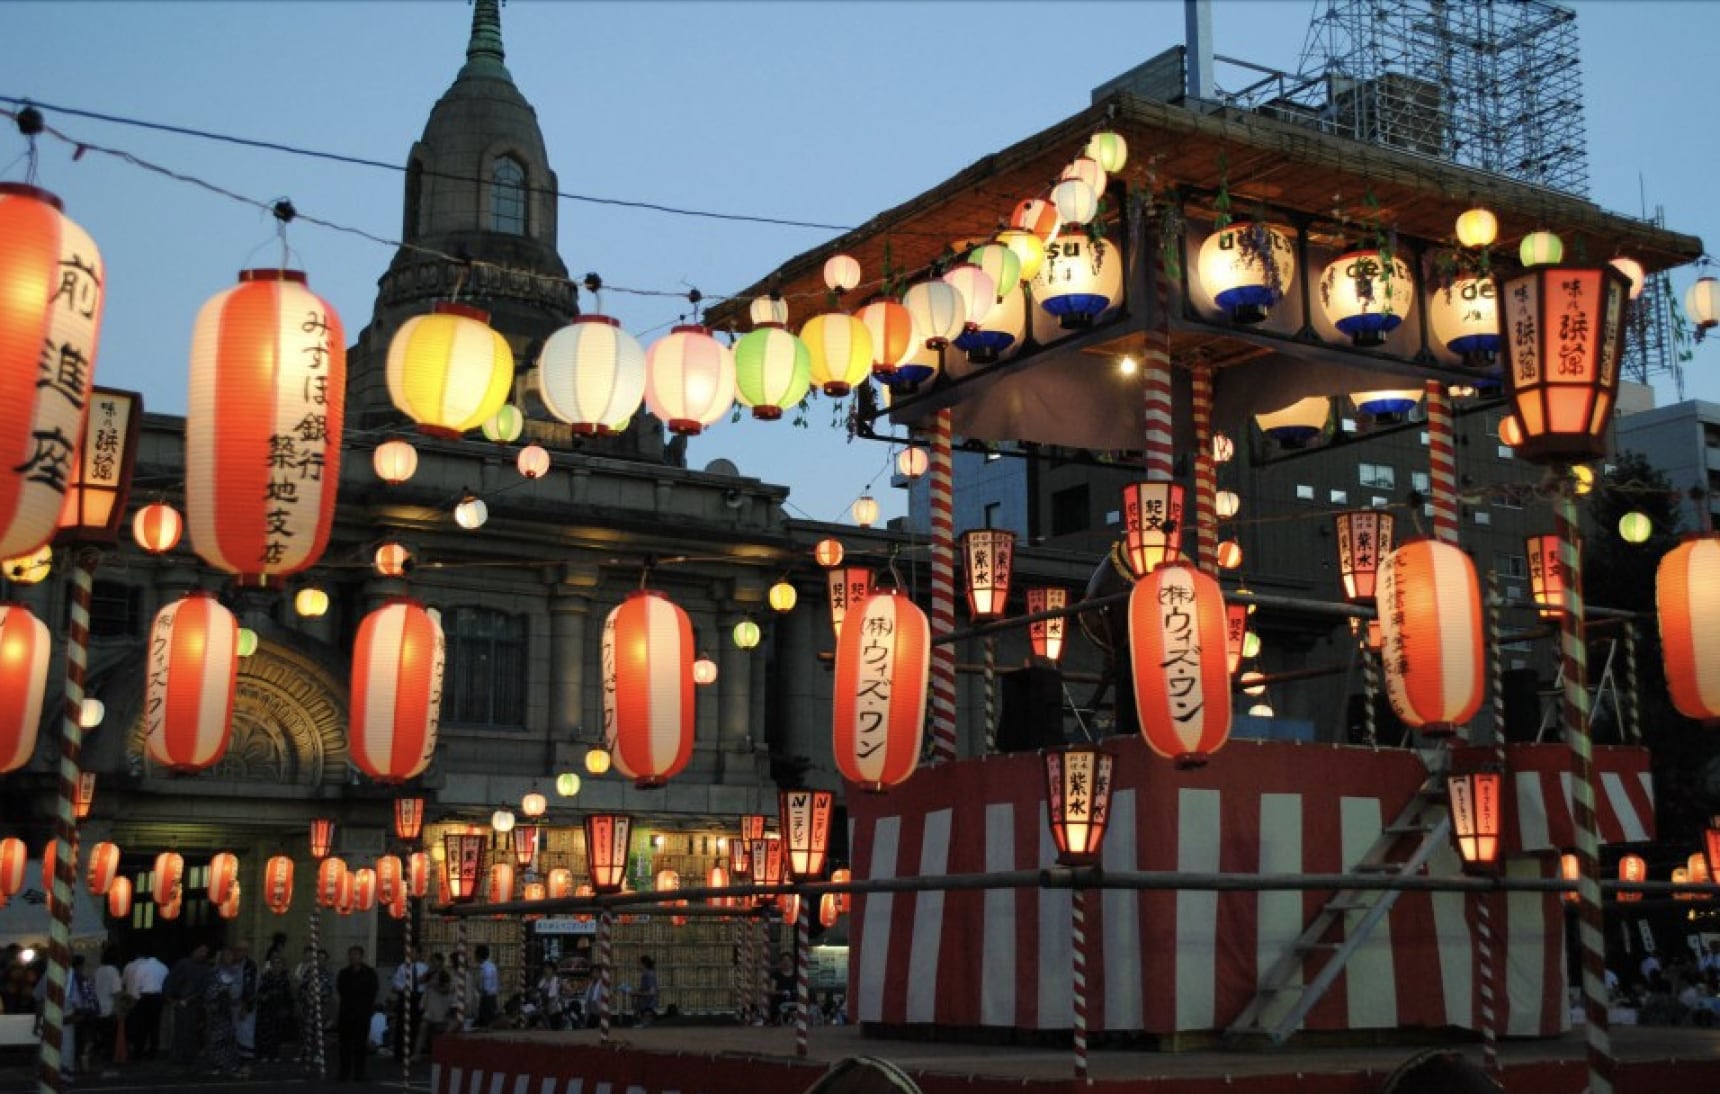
(805, 819)
(1687, 600)
(408, 818)
(166, 878)
(773, 371)
(667, 881)
(464, 862)
(648, 687)
(1364, 538)
(278, 884)
(842, 875)
(1430, 623)
(397, 665)
(689, 379)
(768, 864)
(1080, 279)
(1235, 633)
(1631, 868)
(1477, 817)
(1152, 525)
(119, 896)
(103, 868)
(892, 330)
(607, 836)
(524, 839)
(25, 650)
(223, 875)
(591, 373)
(1366, 295)
(1465, 318)
(829, 910)
(363, 889)
(331, 873)
(418, 873)
(322, 837)
(1245, 266)
(1564, 330)
(840, 351)
(14, 856)
(52, 287)
(193, 678)
(990, 556)
(883, 659)
(1177, 657)
(259, 500)
(1078, 801)
(559, 883)
(1046, 635)
(1547, 574)
(390, 879)
(156, 528)
(848, 586)
(449, 371)
(501, 883)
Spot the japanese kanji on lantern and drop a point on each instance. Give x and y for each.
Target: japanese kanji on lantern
(390, 879)
(193, 677)
(848, 586)
(278, 884)
(263, 427)
(648, 687)
(1078, 801)
(103, 868)
(608, 837)
(1547, 574)
(331, 874)
(1364, 537)
(223, 875)
(805, 819)
(1687, 600)
(990, 556)
(363, 889)
(1177, 660)
(1564, 334)
(1477, 816)
(397, 665)
(418, 873)
(1046, 635)
(883, 660)
(449, 371)
(25, 649)
(52, 285)
(165, 881)
(100, 478)
(1152, 525)
(1430, 623)
(119, 898)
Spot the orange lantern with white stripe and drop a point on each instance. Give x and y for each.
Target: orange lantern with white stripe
(829, 910)
(390, 880)
(119, 896)
(263, 428)
(157, 528)
(193, 677)
(892, 329)
(883, 661)
(345, 893)
(52, 287)
(1177, 658)
(168, 876)
(223, 875)
(1631, 869)
(1430, 625)
(648, 687)
(841, 351)
(417, 873)
(842, 875)
(25, 650)
(103, 868)
(363, 889)
(278, 884)
(1687, 599)
(1037, 216)
(689, 379)
(449, 371)
(14, 856)
(397, 665)
(1547, 571)
(591, 373)
(229, 908)
(331, 874)
(501, 886)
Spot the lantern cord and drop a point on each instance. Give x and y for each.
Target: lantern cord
(30, 123)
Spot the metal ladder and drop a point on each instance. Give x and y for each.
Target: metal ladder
(1278, 1008)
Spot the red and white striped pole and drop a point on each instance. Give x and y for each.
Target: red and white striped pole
(1078, 953)
(762, 984)
(605, 930)
(941, 478)
(802, 952)
(1205, 470)
(1442, 462)
(1156, 405)
(1485, 949)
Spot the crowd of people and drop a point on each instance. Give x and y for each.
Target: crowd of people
(1685, 990)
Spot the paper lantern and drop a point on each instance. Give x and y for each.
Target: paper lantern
(1570, 870)
(264, 426)
(1547, 574)
(310, 602)
(25, 650)
(119, 896)
(828, 553)
(746, 634)
(848, 586)
(278, 884)
(939, 313)
(449, 371)
(1477, 228)
(689, 379)
(648, 688)
(567, 784)
(52, 288)
(1633, 272)
(502, 821)
(782, 596)
(363, 889)
(1110, 149)
(331, 876)
(1388, 404)
(394, 461)
(1364, 538)
(1565, 334)
(1510, 431)
(464, 861)
(1365, 297)
(471, 513)
(1229, 554)
(1028, 248)
(1696, 872)
(805, 819)
(990, 556)
(504, 426)
(193, 677)
(1635, 527)
(704, 671)
(1430, 622)
(883, 661)
(14, 856)
(533, 461)
(597, 760)
(1078, 801)
(829, 910)
(248, 642)
(842, 876)
(1235, 634)
(1040, 218)
(717, 878)
(740, 850)
(533, 804)
(1687, 600)
(1541, 249)
(322, 836)
(559, 883)
(157, 527)
(29, 569)
(891, 328)
(591, 373)
(1079, 280)
(417, 874)
(1152, 525)
(841, 273)
(768, 864)
(1477, 817)
(524, 841)
(1000, 264)
(392, 559)
(912, 462)
(768, 311)
(1295, 425)
(865, 510)
(1702, 303)
(50, 867)
(1076, 202)
(397, 665)
(103, 868)
(1464, 317)
(1046, 635)
(840, 350)
(91, 712)
(501, 883)
(1177, 658)
(1245, 266)
(165, 880)
(1089, 171)
(607, 838)
(408, 818)
(1226, 503)
(223, 874)
(979, 295)
(1631, 868)
(773, 371)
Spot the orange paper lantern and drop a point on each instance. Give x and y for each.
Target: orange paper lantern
(501, 887)
(119, 898)
(560, 883)
(842, 876)
(169, 873)
(278, 884)
(883, 661)
(1687, 597)
(331, 873)
(103, 868)
(390, 879)
(1177, 658)
(607, 837)
(25, 650)
(157, 528)
(397, 664)
(229, 908)
(193, 677)
(648, 688)
(1152, 525)
(848, 586)
(14, 855)
(829, 909)
(223, 875)
(1547, 573)
(1564, 334)
(1046, 635)
(892, 331)
(1631, 868)
(1431, 644)
(363, 889)
(417, 873)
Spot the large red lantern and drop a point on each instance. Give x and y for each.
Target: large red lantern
(1564, 334)
(1430, 623)
(223, 875)
(390, 881)
(449, 371)
(1152, 525)
(1177, 659)
(607, 836)
(990, 556)
(363, 889)
(1687, 598)
(397, 664)
(103, 868)
(689, 379)
(648, 688)
(14, 856)
(25, 649)
(193, 676)
(264, 425)
(1078, 801)
(805, 819)
(331, 874)
(1364, 538)
(408, 818)
(1046, 635)
(417, 873)
(883, 661)
(1631, 868)
(165, 882)
(849, 585)
(278, 884)
(1547, 572)
(119, 898)
(52, 287)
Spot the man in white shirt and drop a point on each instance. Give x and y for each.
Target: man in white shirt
(489, 988)
(407, 994)
(142, 980)
(107, 983)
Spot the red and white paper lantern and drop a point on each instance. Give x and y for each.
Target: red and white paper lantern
(648, 687)
(25, 650)
(1430, 625)
(193, 677)
(331, 873)
(689, 379)
(390, 879)
(103, 868)
(501, 887)
(417, 873)
(883, 662)
(1177, 658)
(223, 876)
(119, 896)
(1687, 596)
(397, 666)
(278, 884)
(167, 877)
(363, 889)
(14, 856)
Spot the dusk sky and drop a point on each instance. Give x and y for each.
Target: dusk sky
(827, 112)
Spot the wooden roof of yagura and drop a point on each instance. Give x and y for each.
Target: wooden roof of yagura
(1326, 189)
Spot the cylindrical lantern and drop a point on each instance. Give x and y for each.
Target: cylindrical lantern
(408, 818)
(1078, 801)
(559, 883)
(892, 330)
(1076, 202)
(938, 312)
(1465, 318)
(264, 426)
(310, 602)
(166, 878)
(1152, 525)
(1477, 227)
(397, 665)
(1564, 338)
(119, 896)
(464, 862)
(865, 510)
(848, 585)
(828, 553)
(1245, 266)
(567, 784)
(390, 879)
(1547, 574)
(1236, 633)
(501, 883)
(648, 687)
(1687, 600)
(1295, 425)
(841, 273)
(25, 650)
(689, 379)
(157, 528)
(331, 875)
(394, 461)
(829, 910)
(773, 371)
(103, 868)
(322, 837)
(805, 819)
(607, 836)
(1080, 279)
(417, 873)
(1569, 870)
(533, 461)
(1046, 635)
(14, 856)
(449, 371)
(1430, 622)
(1702, 303)
(990, 556)
(1365, 297)
(1697, 873)
(278, 884)
(193, 678)
(52, 287)
(840, 350)
(223, 875)
(1631, 868)
(1364, 538)
(1477, 817)
(842, 875)
(883, 661)
(363, 889)
(1177, 658)
(768, 311)
(591, 373)
(717, 878)
(524, 840)
(1541, 249)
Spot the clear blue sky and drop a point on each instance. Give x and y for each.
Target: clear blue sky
(825, 111)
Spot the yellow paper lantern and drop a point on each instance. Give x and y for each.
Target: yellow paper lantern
(310, 602)
(783, 596)
(1477, 228)
(449, 371)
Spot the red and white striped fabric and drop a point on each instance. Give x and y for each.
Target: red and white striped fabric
(397, 666)
(648, 687)
(1177, 657)
(25, 650)
(193, 676)
(263, 428)
(883, 665)
(1538, 814)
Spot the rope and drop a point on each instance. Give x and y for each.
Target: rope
(1156, 385)
(1633, 700)
(605, 922)
(943, 555)
(1442, 463)
(1370, 690)
(411, 993)
(1078, 920)
(762, 984)
(1485, 949)
(457, 1011)
(315, 1033)
(802, 951)
(990, 695)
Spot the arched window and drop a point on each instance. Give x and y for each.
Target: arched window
(508, 196)
(484, 681)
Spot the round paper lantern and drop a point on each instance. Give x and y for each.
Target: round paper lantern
(567, 784)
(1177, 660)
(1000, 264)
(828, 553)
(1079, 280)
(503, 821)
(1229, 555)
(939, 313)
(1702, 303)
(1227, 504)
(1297, 424)
(704, 671)
(418, 874)
(52, 287)
(157, 528)
(1038, 217)
(278, 884)
(1465, 318)
(591, 373)
(1245, 266)
(223, 875)
(394, 461)
(1477, 227)
(883, 661)
(263, 428)
(1632, 269)
(1635, 527)
(689, 379)
(912, 462)
(504, 426)
(773, 371)
(449, 371)
(25, 650)
(392, 559)
(397, 665)
(986, 333)
(29, 569)
(1365, 297)
(310, 602)
(1076, 201)
(841, 273)
(1687, 599)
(892, 331)
(648, 687)
(248, 642)
(1088, 170)
(103, 868)
(1431, 641)
(14, 856)
(783, 596)
(1541, 249)
(865, 510)
(840, 349)
(746, 634)
(331, 877)
(471, 513)
(193, 677)
(501, 887)
(164, 886)
(597, 761)
(119, 898)
(559, 883)
(534, 804)
(1029, 248)
(979, 294)
(768, 311)
(533, 461)
(1110, 149)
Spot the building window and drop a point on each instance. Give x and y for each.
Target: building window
(115, 611)
(1378, 502)
(1339, 497)
(1510, 565)
(1420, 481)
(992, 455)
(1380, 476)
(1070, 510)
(485, 678)
(1304, 492)
(1483, 517)
(508, 197)
(993, 510)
